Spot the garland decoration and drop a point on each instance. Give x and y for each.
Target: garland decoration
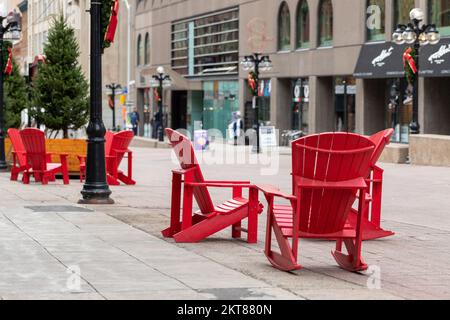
(9, 64)
(410, 64)
(107, 15)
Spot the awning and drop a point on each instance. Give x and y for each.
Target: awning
(435, 60)
(385, 60)
(380, 60)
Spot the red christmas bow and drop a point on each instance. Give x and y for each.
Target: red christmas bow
(113, 20)
(156, 95)
(408, 59)
(251, 82)
(8, 69)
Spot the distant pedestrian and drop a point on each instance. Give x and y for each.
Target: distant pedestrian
(135, 120)
(238, 127)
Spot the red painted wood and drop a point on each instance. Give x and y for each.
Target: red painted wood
(116, 147)
(19, 154)
(38, 159)
(328, 171)
(195, 227)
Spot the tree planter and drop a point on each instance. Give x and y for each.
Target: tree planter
(72, 147)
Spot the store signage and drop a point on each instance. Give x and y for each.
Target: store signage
(435, 60)
(268, 136)
(380, 60)
(385, 60)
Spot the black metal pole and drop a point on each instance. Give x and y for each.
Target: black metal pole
(96, 189)
(114, 107)
(345, 124)
(415, 126)
(3, 164)
(160, 105)
(257, 61)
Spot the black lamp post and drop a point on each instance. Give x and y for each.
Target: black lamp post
(13, 26)
(113, 87)
(96, 189)
(419, 35)
(161, 80)
(256, 63)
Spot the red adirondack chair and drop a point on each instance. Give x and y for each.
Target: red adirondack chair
(39, 160)
(116, 146)
(19, 155)
(329, 171)
(196, 226)
(372, 216)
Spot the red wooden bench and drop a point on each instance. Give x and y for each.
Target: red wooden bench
(196, 226)
(39, 161)
(329, 171)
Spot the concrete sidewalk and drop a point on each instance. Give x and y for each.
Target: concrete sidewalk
(119, 253)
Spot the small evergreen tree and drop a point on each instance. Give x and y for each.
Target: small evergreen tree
(60, 90)
(16, 97)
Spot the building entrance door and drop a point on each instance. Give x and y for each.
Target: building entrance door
(179, 109)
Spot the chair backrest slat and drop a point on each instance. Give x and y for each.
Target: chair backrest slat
(17, 144)
(329, 157)
(34, 144)
(184, 151)
(381, 140)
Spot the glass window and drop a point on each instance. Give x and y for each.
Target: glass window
(303, 24)
(375, 23)
(402, 8)
(284, 28)
(325, 23)
(147, 49)
(439, 14)
(139, 49)
(207, 45)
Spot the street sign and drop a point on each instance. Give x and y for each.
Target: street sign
(268, 136)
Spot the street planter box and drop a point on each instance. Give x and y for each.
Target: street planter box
(72, 147)
(430, 150)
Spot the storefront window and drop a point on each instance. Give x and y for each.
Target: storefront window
(402, 8)
(219, 102)
(345, 104)
(300, 105)
(303, 25)
(284, 28)
(375, 22)
(326, 23)
(399, 109)
(439, 14)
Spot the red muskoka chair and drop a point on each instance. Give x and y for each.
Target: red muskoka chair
(116, 146)
(196, 226)
(39, 161)
(371, 223)
(328, 171)
(19, 155)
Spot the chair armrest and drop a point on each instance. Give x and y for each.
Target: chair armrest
(183, 171)
(218, 185)
(273, 191)
(305, 183)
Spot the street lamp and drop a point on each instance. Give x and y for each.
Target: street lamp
(161, 80)
(419, 34)
(12, 26)
(96, 189)
(114, 87)
(256, 63)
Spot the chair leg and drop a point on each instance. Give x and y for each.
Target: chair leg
(236, 230)
(26, 177)
(253, 206)
(14, 173)
(352, 261)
